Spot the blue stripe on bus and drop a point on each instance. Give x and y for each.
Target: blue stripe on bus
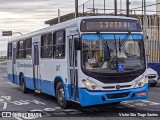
(45, 85)
(10, 77)
(15, 80)
(48, 87)
(29, 83)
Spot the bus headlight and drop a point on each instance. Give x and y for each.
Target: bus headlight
(90, 85)
(141, 82)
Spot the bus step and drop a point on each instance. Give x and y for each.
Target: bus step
(37, 91)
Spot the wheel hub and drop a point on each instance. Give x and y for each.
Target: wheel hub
(61, 96)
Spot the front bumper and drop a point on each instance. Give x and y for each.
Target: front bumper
(88, 98)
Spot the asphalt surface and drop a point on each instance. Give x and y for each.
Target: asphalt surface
(14, 101)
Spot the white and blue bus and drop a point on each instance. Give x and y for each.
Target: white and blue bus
(88, 60)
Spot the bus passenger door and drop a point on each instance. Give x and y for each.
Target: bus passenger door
(73, 67)
(14, 72)
(35, 56)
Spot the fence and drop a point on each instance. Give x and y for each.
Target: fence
(152, 44)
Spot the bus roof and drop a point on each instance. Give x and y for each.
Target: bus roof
(69, 23)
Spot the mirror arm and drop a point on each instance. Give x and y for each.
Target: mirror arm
(77, 43)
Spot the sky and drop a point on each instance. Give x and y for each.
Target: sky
(29, 15)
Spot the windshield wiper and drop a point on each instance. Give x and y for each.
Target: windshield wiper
(125, 39)
(104, 42)
(116, 53)
(116, 56)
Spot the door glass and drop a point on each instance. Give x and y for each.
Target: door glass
(70, 51)
(14, 55)
(73, 65)
(36, 57)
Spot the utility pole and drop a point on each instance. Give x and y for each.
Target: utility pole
(59, 16)
(76, 8)
(115, 7)
(145, 21)
(93, 7)
(127, 7)
(104, 6)
(121, 6)
(142, 7)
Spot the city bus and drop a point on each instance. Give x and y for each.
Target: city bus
(89, 60)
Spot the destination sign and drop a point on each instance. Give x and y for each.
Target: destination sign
(110, 25)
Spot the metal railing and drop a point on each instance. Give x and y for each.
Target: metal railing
(152, 44)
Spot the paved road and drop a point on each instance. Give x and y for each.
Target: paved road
(12, 99)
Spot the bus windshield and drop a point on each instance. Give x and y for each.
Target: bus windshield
(112, 53)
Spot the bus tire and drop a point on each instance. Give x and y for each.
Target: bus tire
(23, 85)
(60, 95)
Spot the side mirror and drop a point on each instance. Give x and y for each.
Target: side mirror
(77, 43)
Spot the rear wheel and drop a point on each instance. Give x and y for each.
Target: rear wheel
(23, 85)
(60, 95)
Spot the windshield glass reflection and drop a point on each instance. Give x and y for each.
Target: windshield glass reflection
(111, 53)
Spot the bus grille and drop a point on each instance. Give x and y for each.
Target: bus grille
(118, 95)
(112, 87)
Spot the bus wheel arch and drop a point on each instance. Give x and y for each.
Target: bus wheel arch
(56, 81)
(60, 93)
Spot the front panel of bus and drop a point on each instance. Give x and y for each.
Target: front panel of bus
(112, 61)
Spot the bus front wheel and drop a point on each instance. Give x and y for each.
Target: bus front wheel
(60, 95)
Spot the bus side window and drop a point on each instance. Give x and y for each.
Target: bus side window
(20, 50)
(59, 44)
(9, 51)
(46, 46)
(28, 49)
